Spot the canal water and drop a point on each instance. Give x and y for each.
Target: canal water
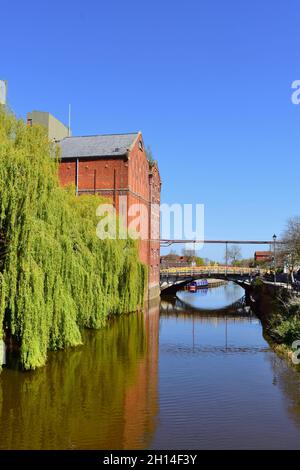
(191, 373)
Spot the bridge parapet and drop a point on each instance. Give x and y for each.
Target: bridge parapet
(173, 279)
(210, 271)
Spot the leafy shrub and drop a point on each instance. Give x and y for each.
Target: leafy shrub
(285, 327)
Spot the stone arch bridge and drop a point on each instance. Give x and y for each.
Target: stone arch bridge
(173, 279)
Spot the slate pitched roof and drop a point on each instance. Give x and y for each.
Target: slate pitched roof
(97, 145)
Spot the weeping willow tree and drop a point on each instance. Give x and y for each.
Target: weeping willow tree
(56, 275)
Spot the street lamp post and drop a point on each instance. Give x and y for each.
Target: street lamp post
(274, 248)
(226, 258)
(291, 269)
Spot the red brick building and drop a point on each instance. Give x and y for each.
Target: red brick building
(263, 256)
(116, 166)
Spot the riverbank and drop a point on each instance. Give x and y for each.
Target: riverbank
(211, 283)
(216, 283)
(278, 311)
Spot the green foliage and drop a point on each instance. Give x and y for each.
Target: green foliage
(211, 262)
(258, 284)
(56, 276)
(285, 326)
(150, 157)
(287, 330)
(244, 263)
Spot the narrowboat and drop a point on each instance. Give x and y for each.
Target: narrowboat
(198, 284)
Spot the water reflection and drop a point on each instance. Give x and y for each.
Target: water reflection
(102, 395)
(287, 379)
(218, 386)
(214, 298)
(194, 379)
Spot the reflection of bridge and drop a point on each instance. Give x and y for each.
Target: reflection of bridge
(173, 279)
(173, 306)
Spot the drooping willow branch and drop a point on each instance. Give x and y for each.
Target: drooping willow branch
(56, 276)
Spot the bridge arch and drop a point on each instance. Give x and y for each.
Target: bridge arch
(172, 280)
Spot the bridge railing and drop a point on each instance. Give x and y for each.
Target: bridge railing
(210, 270)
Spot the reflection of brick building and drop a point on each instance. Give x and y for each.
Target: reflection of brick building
(140, 398)
(116, 166)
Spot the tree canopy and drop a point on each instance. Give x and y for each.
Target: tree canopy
(56, 275)
(233, 254)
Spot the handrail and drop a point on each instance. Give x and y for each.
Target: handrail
(211, 270)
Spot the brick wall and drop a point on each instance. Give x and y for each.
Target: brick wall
(154, 188)
(95, 174)
(131, 178)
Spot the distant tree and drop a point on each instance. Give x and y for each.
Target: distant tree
(244, 263)
(210, 262)
(189, 254)
(171, 256)
(233, 254)
(289, 252)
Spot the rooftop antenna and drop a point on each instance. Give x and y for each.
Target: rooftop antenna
(69, 126)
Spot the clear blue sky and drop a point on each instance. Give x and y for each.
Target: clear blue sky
(207, 82)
